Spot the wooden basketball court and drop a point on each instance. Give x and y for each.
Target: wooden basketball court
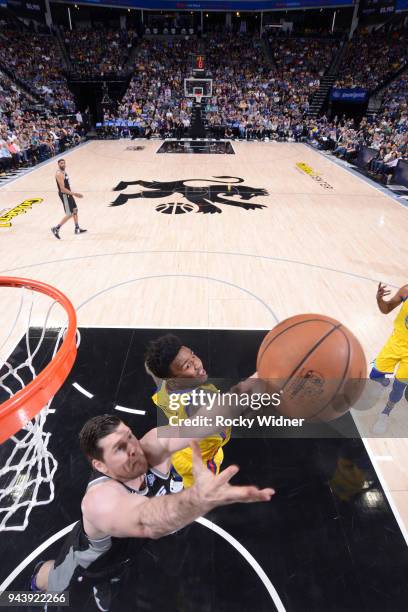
(214, 242)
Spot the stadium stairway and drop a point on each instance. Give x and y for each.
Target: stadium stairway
(326, 83)
(131, 60)
(376, 96)
(267, 51)
(374, 104)
(66, 62)
(34, 102)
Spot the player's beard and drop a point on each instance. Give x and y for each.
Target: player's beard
(138, 466)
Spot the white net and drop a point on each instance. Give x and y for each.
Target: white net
(27, 466)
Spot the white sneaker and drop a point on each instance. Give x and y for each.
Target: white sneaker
(381, 424)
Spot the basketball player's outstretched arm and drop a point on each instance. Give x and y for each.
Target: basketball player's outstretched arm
(124, 515)
(387, 306)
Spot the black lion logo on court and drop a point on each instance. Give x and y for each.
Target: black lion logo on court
(202, 199)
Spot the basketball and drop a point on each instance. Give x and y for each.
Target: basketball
(316, 363)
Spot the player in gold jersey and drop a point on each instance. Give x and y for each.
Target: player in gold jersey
(176, 370)
(393, 357)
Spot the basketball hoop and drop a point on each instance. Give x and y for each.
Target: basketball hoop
(26, 476)
(198, 94)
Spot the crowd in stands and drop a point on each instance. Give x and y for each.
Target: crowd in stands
(395, 101)
(261, 90)
(32, 139)
(387, 136)
(155, 100)
(371, 57)
(36, 105)
(28, 136)
(35, 62)
(255, 96)
(251, 97)
(99, 52)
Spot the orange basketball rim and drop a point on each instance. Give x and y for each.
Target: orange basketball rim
(19, 409)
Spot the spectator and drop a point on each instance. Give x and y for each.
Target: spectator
(371, 57)
(99, 53)
(35, 61)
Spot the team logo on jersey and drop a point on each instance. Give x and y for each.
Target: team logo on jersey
(210, 197)
(150, 479)
(176, 486)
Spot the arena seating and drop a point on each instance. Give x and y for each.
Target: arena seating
(261, 90)
(28, 136)
(102, 52)
(256, 98)
(35, 61)
(372, 57)
(155, 100)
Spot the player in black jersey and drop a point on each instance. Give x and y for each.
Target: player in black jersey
(67, 199)
(128, 498)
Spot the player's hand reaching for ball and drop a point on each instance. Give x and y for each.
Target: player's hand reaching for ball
(382, 291)
(250, 385)
(216, 490)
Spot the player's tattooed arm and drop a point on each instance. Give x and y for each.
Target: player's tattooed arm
(122, 515)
